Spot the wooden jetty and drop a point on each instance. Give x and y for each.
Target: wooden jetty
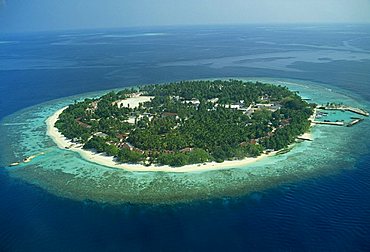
(330, 123)
(355, 121)
(346, 108)
(304, 138)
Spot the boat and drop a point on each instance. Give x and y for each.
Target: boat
(28, 159)
(14, 164)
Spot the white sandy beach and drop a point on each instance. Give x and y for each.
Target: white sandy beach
(102, 159)
(133, 102)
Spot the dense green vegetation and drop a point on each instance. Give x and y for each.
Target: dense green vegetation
(189, 122)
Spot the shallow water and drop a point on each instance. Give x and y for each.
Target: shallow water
(66, 174)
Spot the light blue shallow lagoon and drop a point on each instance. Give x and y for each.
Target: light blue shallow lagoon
(66, 174)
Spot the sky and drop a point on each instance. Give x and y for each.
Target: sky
(49, 15)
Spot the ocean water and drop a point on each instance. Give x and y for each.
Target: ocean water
(314, 198)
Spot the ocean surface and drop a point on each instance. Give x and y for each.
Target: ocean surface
(324, 207)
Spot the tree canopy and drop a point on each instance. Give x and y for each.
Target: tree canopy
(189, 122)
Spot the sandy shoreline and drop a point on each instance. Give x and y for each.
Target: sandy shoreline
(63, 143)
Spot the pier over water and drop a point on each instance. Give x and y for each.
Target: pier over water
(329, 116)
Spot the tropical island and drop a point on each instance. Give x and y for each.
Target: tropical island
(189, 122)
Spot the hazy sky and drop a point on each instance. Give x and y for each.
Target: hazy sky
(34, 15)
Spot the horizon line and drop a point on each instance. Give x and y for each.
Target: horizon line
(138, 27)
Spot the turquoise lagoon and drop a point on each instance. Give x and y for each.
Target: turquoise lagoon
(337, 115)
(65, 173)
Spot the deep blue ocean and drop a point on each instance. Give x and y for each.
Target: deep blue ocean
(324, 213)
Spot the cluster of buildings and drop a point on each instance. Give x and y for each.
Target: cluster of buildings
(241, 105)
(247, 109)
